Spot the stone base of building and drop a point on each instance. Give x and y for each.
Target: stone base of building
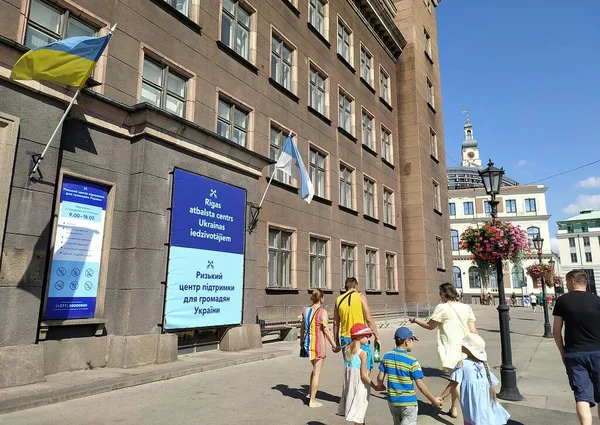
(240, 338)
(28, 364)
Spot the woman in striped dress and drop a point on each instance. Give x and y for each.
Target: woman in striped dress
(313, 333)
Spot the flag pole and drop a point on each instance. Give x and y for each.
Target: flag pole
(36, 165)
(270, 180)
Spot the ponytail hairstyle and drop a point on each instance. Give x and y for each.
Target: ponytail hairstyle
(449, 291)
(317, 296)
(489, 377)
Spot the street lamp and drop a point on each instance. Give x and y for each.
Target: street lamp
(492, 179)
(538, 243)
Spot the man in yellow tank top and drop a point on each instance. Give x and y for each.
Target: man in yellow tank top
(352, 307)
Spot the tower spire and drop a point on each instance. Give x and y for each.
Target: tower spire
(470, 148)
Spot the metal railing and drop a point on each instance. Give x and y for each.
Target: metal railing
(281, 316)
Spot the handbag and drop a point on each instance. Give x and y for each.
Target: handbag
(303, 352)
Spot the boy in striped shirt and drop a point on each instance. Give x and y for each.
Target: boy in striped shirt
(402, 369)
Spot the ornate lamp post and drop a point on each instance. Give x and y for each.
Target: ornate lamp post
(538, 243)
(492, 178)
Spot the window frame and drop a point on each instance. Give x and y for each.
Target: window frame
(234, 105)
(586, 241)
(457, 272)
(280, 253)
(281, 62)
(452, 208)
(390, 272)
(315, 13)
(279, 175)
(235, 23)
(437, 197)
(454, 240)
(588, 257)
(428, 45)
(368, 182)
(341, 24)
(346, 261)
(314, 175)
(531, 235)
(174, 6)
(386, 154)
(433, 142)
(313, 68)
(572, 243)
(371, 266)
(389, 206)
(367, 122)
(346, 97)
(573, 257)
(366, 65)
(471, 209)
(164, 88)
(474, 278)
(528, 203)
(323, 259)
(511, 203)
(441, 261)
(385, 85)
(347, 185)
(430, 94)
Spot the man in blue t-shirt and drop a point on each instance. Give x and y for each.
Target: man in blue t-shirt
(402, 369)
(579, 312)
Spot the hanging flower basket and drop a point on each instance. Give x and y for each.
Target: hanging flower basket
(494, 240)
(537, 271)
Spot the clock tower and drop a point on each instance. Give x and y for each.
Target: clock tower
(470, 149)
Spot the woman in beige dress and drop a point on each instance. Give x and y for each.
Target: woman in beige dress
(454, 320)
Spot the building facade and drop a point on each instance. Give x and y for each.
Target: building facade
(579, 245)
(522, 205)
(211, 90)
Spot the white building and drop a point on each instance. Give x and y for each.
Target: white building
(579, 245)
(523, 206)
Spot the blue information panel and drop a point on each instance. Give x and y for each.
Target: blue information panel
(205, 277)
(77, 253)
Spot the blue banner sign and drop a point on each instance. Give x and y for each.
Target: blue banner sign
(75, 268)
(205, 277)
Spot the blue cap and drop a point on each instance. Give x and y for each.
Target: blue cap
(403, 333)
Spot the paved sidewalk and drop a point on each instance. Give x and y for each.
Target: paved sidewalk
(71, 385)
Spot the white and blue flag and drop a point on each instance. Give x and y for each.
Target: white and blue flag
(291, 163)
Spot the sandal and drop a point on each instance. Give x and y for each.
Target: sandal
(315, 404)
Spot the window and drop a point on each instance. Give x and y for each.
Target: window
(47, 24)
(371, 269)
(276, 141)
(235, 28)
(345, 112)
(427, 5)
(433, 143)
(588, 257)
(317, 90)
(318, 263)
(366, 65)
(347, 263)
(384, 85)
(436, 197)
(584, 228)
(468, 208)
(486, 207)
(344, 42)
(388, 206)
(369, 197)
(281, 62)
(493, 279)
(454, 239)
(586, 241)
(440, 253)
(317, 15)
(474, 277)
(530, 205)
(232, 122)
(511, 206)
(367, 130)
(390, 271)
(386, 145)
(317, 171)
(518, 277)
(182, 6)
(569, 228)
(452, 208)
(573, 258)
(346, 177)
(532, 233)
(428, 44)
(572, 242)
(457, 277)
(430, 94)
(163, 88)
(280, 259)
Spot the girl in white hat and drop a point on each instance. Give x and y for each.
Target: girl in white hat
(476, 380)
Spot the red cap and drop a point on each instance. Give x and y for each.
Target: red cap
(360, 330)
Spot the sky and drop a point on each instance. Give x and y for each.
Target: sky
(528, 72)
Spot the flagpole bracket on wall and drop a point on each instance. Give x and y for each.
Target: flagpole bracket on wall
(34, 169)
(253, 213)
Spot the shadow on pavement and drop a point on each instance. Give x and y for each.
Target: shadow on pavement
(315, 423)
(426, 409)
(301, 393)
(511, 422)
(431, 372)
(498, 331)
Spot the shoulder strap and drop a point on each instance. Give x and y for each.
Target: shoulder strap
(348, 295)
(310, 323)
(465, 327)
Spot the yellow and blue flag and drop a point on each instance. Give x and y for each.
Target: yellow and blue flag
(69, 61)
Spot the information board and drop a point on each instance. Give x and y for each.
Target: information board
(205, 276)
(75, 268)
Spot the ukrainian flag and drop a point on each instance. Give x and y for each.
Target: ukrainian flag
(69, 61)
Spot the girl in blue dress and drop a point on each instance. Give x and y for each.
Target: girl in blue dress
(476, 380)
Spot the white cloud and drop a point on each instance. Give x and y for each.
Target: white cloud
(583, 202)
(589, 183)
(522, 163)
(554, 245)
